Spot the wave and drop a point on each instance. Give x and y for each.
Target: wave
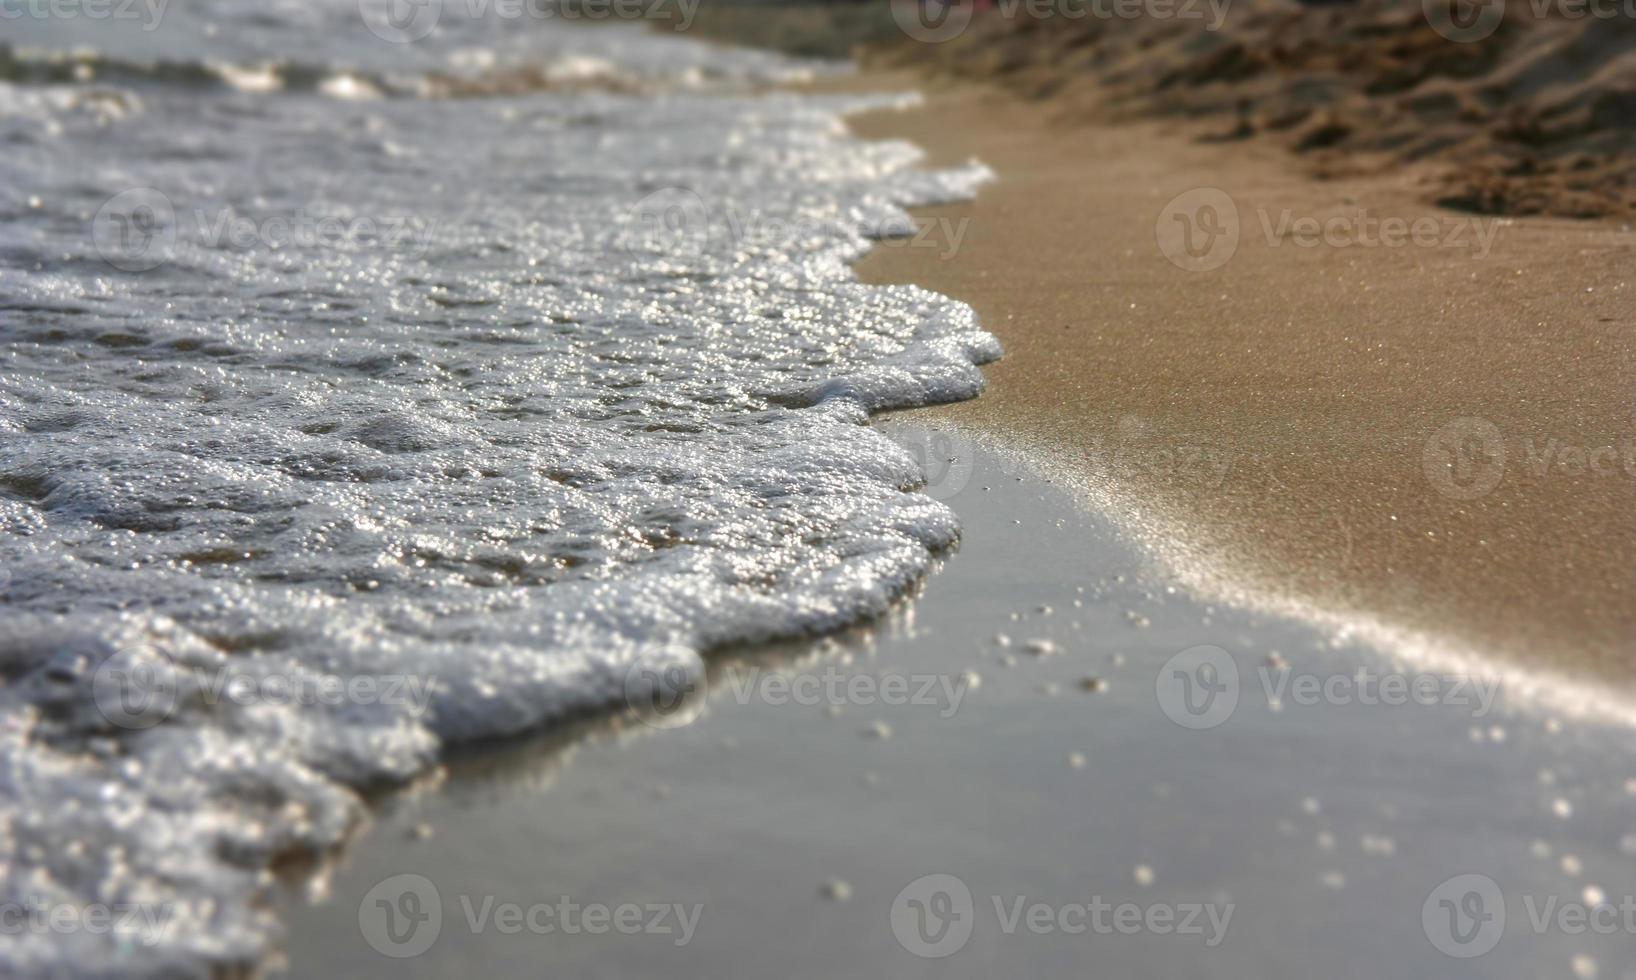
(285, 512)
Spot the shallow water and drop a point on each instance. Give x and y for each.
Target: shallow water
(1311, 822)
(345, 419)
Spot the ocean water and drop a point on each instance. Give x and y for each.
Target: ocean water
(360, 397)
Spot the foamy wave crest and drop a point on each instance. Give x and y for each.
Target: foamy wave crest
(283, 513)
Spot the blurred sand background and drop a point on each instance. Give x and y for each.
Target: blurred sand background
(1520, 107)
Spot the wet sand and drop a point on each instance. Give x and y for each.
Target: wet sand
(796, 814)
(1258, 446)
(1433, 445)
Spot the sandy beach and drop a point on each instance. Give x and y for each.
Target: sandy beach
(1434, 444)
(793, 809)
(1255, 459)
(648, 535)
(1166, 461)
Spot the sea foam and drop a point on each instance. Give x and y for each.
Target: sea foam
(338, 431)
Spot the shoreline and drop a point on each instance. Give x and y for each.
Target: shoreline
(1270, 458)
(791, 804)
(795, 828)
(606, 487)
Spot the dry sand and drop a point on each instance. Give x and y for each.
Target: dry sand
(1314, 429)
